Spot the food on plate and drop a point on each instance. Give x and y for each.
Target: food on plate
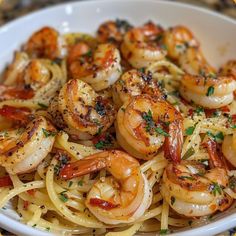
(130, 130)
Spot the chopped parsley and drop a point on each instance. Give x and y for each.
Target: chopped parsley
(189, 153)
(150, 124)
(142, 70)
(233, 126)
(189, 130)
(172, 199)
(70, 183)
(232, 183)
(218, 137)
(161, 131)
(186, 177)
(199, 110)
(88, 54)
(34, 225)
(149, 121)
(210, 91)
(42, 105)
(163, 231)
(48, 133)
(47, 229)
(215, 188)
(80, 182)
(212, 75)
(63, 197)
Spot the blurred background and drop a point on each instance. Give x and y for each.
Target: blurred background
(10, 9)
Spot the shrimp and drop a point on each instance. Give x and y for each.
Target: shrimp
(120, 198)
(146, 123)
(12, 73)
(229, 69)
(184, 48)
(100, 68)
(133, 83)
(229, 148)
(112, 31)
(22, 150)
(140, 47)
(208, 91)
(46, 43)
(193, 191)
(84, 112)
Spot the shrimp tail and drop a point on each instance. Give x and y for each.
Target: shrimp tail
(216, 160)
(85, 166)
(173, 143)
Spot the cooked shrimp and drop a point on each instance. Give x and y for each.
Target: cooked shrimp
(229, 148)
(112, 31)
(11, 75)
(133, 83)
(45, 43)
(84, 112)
(183, 47)
(193, 191)
(140, 47)
(121, 198)
(229, 68)
(208, 91)
(144, 124)
(130, 84)
(22, 150)
(100, 68)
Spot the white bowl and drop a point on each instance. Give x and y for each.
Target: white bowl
(216, 33)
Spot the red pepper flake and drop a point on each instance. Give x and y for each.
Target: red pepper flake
(31, 192)
(102, 203)
(25, 205)
(5, 181)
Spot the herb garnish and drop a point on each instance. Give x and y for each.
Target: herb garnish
(80, 182)
(215, 188)
(189, 130)
(189, 153)
(44, 106)
(48, 133)
(210, 91)
(163, 231)
(63, 197)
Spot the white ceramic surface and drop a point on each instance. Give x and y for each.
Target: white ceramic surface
(216, 33)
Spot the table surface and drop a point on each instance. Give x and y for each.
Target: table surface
(11, 9)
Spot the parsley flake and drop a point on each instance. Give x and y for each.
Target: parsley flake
(48, 133)
(189, 153)
(80, 182)
(63, 197)
(189, 130)
(215, 188)
(210, 91)
(163, 231)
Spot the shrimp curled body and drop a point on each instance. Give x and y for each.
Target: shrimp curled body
(207, 91)
(145, 123)
(121, 198)
(100, 68)
(22, 151)
(83, 110)
(139, 46)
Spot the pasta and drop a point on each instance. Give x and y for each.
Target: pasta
(129, 131)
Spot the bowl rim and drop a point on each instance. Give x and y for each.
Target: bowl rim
(212, 227)
(19, 19)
